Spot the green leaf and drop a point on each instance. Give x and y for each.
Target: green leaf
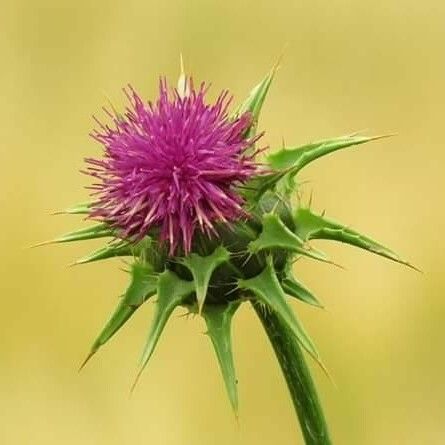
(297, 158)
(268, 291)
(296, 289)
(171, 293)
(275, 235)
(288, 162)
(219, 320)
(79, 209)
(143, 285)
(202, 269)
(312, 226)
(255, 101)
(98, 231)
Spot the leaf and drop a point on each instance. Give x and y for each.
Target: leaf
(255, 101)
(142, 286)
(171, 291)
(312, 226)
(288, 162)
(219, 320)
(297, 158)
(202, 269)
(268, 291)
(296, 289)
(275, 235)
(98, 231)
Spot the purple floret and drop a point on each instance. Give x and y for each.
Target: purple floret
(174, 165)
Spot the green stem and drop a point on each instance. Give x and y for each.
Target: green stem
(298, 378)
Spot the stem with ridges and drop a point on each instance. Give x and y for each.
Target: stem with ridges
(298, 378)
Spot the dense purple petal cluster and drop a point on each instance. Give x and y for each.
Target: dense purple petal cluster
(174, 165)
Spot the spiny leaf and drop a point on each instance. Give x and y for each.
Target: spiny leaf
(219, 319)
(288, 162)
(297, 158)
(79, 209)
(171, 293)
(312, 226)
(275, 235)
(268, 291)
(98, 231)
(296, 289)
(202, 269)
(255, 100)
(143, 285)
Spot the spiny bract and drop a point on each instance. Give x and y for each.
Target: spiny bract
(181, 192)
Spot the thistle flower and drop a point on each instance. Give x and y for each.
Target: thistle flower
(179, 191)
(172, 165)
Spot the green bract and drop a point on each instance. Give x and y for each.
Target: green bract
(251, 261)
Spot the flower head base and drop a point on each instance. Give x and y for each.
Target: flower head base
(174, 165)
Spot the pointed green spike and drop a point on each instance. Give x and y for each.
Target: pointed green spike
(79, 209)
(275, 235)
(297, 158)
(110, 251)
(255, 100)
(143, 285)
(268, 291)
(296, 289)
(119, 249)
(311, 226)
(219, 319)
(171, 293)
(202, 269)
(98, 231)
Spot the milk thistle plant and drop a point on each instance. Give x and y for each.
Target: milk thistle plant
(186, 190)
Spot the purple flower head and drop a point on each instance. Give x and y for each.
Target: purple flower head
(174, 165)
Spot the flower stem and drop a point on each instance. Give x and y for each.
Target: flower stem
(298, 378)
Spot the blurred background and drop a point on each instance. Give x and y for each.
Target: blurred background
(348, 66)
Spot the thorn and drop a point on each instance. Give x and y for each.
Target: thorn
(249, 257)
(310, 199)
(336, 265)
(357, 133)
(74, 263)
(87, 359)
(327, 374)
(136, 380)
(411, 266)
(280, 58)
(43, 243)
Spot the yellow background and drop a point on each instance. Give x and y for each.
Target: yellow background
(376, 65)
